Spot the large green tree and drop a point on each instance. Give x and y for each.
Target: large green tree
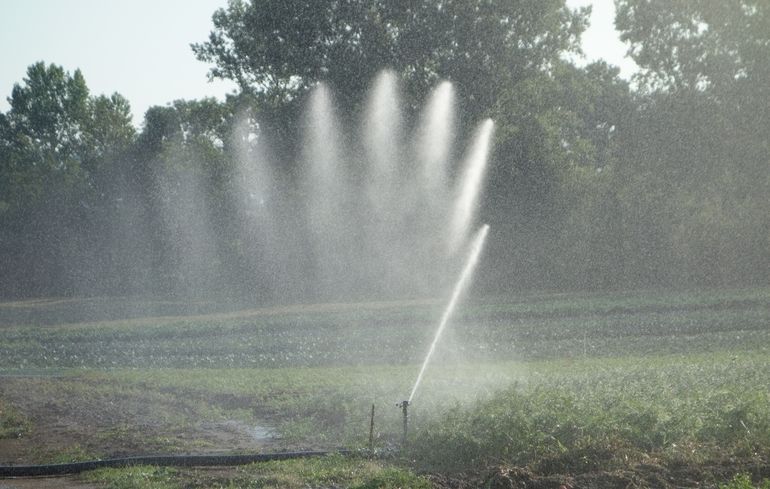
(57, 149)
(42, 132)
(279, 48)
(56, 134)
(550, 197)
(700, 140)
(698, 43)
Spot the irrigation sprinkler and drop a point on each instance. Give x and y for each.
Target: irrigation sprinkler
(404, 405)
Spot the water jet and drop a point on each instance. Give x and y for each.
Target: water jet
(460, 285)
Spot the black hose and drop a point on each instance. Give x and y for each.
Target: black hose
(159, 460)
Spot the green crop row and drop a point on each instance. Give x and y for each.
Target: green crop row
(608, 327)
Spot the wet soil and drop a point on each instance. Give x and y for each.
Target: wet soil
(67, 422)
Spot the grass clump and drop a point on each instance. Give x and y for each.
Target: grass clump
(140, 477)
(73, 453)
(13, 424)
(332, 471)
(743, 481)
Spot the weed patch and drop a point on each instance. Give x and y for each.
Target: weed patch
(743, 481)
(140, 477)
(13, 424)
(587, 417)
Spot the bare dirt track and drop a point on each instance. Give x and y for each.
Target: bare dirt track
(69, 418)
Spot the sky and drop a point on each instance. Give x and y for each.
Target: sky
(141, 48)
(601, 41)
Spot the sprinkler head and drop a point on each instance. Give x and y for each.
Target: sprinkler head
(404, 405)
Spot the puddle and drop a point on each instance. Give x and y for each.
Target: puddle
(254, 433)
(262, 432)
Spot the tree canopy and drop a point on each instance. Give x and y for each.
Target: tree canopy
(595, 182)
(279, 48)
(697, 44)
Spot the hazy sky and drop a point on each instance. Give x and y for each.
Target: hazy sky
(141, 48)
(601, 40)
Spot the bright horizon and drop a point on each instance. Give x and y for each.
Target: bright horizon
(141, 49)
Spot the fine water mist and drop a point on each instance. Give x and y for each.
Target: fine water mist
(469, 185)
(379, 211)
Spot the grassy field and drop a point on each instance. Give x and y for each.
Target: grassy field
(655, 389)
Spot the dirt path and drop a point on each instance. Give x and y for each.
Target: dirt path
(71, 418)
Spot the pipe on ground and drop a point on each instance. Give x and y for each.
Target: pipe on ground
(158, 460)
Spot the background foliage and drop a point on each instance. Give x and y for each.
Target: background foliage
(594, 183)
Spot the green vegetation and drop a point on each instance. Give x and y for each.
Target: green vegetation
(532, 327)
(139, 477)
(332, 471)
(553, 384)
(73, 453)
(595, 183)
(13, 424)
(743, 481)
(610, 414)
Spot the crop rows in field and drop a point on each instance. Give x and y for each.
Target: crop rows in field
(537, 329)
(558, 383)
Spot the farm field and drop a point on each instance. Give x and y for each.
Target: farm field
(592, 390)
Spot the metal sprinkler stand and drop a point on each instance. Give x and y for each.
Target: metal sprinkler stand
(371, 434)
(404, 405)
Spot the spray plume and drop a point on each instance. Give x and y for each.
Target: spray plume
(470, 265)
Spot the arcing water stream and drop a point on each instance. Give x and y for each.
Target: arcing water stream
(470, 265)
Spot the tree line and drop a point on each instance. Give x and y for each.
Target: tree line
(594, 183)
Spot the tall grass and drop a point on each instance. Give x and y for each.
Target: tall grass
(591, 414)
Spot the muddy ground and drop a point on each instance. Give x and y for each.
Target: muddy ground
(106, 423)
